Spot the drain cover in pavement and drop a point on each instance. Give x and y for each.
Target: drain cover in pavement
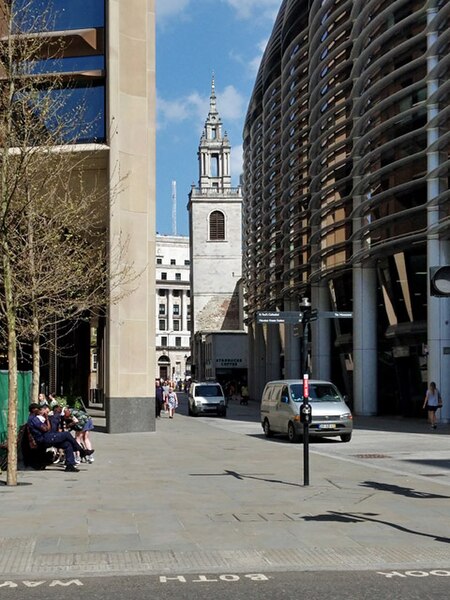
(371, 456)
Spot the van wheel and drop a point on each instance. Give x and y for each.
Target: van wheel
(267, 431)
(346, 437)
(294, 438)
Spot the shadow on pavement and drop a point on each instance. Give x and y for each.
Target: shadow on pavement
(242, 476)
(401, 491)
(369, 518)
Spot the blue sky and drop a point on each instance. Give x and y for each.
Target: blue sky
(195, 38)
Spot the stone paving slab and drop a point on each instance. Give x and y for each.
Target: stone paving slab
(210, 495)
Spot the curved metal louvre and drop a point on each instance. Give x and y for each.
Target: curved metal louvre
(335, 142)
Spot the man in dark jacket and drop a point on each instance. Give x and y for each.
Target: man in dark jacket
(41, 430)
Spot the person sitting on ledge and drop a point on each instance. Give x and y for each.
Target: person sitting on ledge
(41, 430)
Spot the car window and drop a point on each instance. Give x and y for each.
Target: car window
(318, 392)
(324, 393)
(208, 391)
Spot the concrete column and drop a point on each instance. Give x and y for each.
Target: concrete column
(273, 347)
(320, 333)
(292, 344)
(260, 363)
(438, 249)
(364, 340)
(130, 335)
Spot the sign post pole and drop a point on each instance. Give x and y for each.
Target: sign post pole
(305, 418)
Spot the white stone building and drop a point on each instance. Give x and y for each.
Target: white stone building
(215, 220)
(172, 307)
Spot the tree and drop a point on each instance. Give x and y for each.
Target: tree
(53, 210)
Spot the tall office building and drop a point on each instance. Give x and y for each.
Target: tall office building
(106, 61)
(346, 197)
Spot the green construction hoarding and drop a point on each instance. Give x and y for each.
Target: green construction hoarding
(23, 396)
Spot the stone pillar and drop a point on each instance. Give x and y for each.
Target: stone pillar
(130, 332)
(365, 340)
(438, 248)
(260, 362)
(292, 344)
(320, 333)
(273, 351)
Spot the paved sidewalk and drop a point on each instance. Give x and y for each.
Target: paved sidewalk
(213, 495)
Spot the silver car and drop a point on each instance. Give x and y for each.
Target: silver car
(280, 410)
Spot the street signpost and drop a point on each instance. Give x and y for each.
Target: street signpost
(304, 317)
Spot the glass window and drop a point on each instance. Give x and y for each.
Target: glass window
(177, 342)
(164, 340)
(163, 275)
(159, 261)
(216, 226)
(187, 262)
(176, 309)
(162, 309)
(162, 324)
(178, 276)
(176, 293)
(173, 261)
(176, 325)
(161, 292)
(59, 15)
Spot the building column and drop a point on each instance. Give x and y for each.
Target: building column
(130, 331)
(320, 333)
(438, 249)
(259, 351)
(365, 340)
(292, 356)
(273, 352)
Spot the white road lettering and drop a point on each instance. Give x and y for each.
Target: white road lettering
(9, 584)
(164, 579)
(33, 584)
(434, 572)
(65, 583)
(229, 577)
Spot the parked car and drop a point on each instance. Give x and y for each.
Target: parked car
(280, 410)
(206, 397)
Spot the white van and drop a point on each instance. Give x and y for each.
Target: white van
(206, 397)
(280, 410)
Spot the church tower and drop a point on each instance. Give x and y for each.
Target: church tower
(215, 224)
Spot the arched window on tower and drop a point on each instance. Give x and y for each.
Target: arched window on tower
(216, 225)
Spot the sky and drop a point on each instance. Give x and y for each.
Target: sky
(194, 39)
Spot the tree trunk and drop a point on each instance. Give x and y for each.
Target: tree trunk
(11, 478)
(36, 363)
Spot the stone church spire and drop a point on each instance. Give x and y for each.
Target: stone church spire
(214, 149)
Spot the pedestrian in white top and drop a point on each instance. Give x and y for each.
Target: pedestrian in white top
(172, 402)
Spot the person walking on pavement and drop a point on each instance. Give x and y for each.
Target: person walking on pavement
(432, 403)
(159, 398)
(172, 402)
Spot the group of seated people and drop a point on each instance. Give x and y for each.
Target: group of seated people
(47, 428)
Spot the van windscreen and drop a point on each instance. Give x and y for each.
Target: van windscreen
(318, 392)
(208, 391)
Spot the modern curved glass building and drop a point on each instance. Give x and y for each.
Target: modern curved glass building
(346, 197)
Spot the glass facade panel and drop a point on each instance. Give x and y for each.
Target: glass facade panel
(59, 15)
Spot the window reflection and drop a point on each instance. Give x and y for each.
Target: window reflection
(58, 15)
